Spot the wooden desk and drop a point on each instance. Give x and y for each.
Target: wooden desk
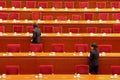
(64, 63)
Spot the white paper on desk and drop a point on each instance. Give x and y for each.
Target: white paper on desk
(44, 34)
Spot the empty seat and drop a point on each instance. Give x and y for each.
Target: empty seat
(16, 4)
(106, 30)
(30, 29)
(82, 69)
(116, 28)
(12, 69)
(69, 4)
(74, 30)
(58, 47)
(46, 69)
(43, 4)
(4, 16)
(2, 28)
(83, 4)
(76, 17)
(116, 16)
(62, 17)
(48, 17)
(48, 29)
(115, 4)
(101, 4)
(14, 16)
(18, 28)
(57, 4)
(57, 29)
(13, 47)
(115, 70)
(3, 4)
(91, 29)
(30, 4)
(35, 15)
(81, 47)
(103, 16)
(36, 48)
(88, 16)
(105, 48)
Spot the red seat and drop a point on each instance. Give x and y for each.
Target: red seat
(16, 4)
(57, 4)
(91, 29)
(30, 29)
(36, 48)
(69, 4)
(31, 4)
(58, 47)
(76, 17)
(62, 17)
(3, 4)
(2, 28)
(48, 29)
(81, 47)
(115, 4)
(14, 16)
(35, 15)
(43, 4)
(101, 4)
(46, 69)
(105, 48)
(88, 16)
(82, 69)
(4, 16)
(115, 70)
(57, 29)
(116, 16)
(103, 16)
(47, 17)
(116, 28)
(106, 30)
(74, 30)
(83, 4)
(18, 28)
(12, 69)
(14, 47)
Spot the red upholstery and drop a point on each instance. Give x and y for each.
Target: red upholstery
(35, 15)
(101, 4)
(81, 47)
(69, 4)
(30, 29)
(4, 16)
(115, 69)
(57, 4)
(16, 4)
(18, 28)
(2, 28)
(106, 30)
(48, 29)
(47, 17)
(62, 17)
(74, 30)
(88, 16)
(91, 29)
(82, 69)
(76, 17)
(12, 69)
(116, 16)
(36, 47)
(103, 16)
(116, 28)
(43, 4)
(30, 4)
(46, 69)
(58, 47)
(14, 16)
(57, 29)
(105, 48)
(3, 4)
(83, 4)
(115, 4)
(14, 47)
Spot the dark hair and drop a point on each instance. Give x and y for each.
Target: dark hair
(94, 45)
(35, 25)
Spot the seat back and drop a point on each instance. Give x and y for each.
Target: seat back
(13, 47)
(12, 69)
(46, 69)
(82, 69)
(58, 47)
(18, 28)
(115, 69)
(36, 48)
(105, 48)
(81, 47)
(74, 30)
(31, 4)
(48, 29)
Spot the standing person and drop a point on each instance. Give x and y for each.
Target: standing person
(94, 56)
(36, 34)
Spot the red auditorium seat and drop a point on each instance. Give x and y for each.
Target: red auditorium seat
(36, 48)
(105, 48)
(116, 16)
(88, 16)
(82, 69)
(76, 17)
(91, 29)
(3, 4)
(116, 28)
(2, 28)
(46, 69)
(48, 17)
(115, 4)
(83, 4)
(48, 29)
(31, 4)
(43, 4)
(14, 16)
(62, 17)
(101, 4)
(30, 29)
(106, 30)
(18, 28)
(57, 4)
(12, 69)
(58, 47)
(16, 4)
(13, 47)
(81, 47)
(57, 29)
(35, 15)
(103, 16)
(115, 69)
(74, 30)
(4, 16)
(69, 4)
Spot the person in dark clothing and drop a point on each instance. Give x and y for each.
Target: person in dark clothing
(94, 56)
(36, 34)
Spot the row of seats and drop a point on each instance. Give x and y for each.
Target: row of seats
(59, 4)
(38, 15)
(49, 69)
(58, 48)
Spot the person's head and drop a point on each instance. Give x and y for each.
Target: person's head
(35, 25)
(94, 46)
